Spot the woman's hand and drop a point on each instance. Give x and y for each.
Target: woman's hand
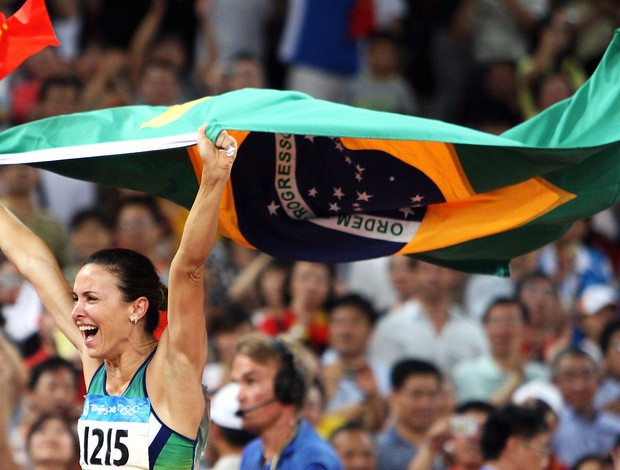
(217, 159)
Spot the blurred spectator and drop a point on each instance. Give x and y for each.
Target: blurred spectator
(67, 21)
(20, 185)
(441, 40)
(225, 331)
(105, 74)
(593, 462)
(551, 73)
(373, 278)
(90, 230)
(481, 289)
(547, 400)
(608, 395)
(573, 265)
(21, 312)
(260, 286)
(355, 446)
(582, 430)
(154, 47)
(549, 326)
(414, 406)
(310, 289)
(501, 33)
(270, 288)
(225, 435)
(53, 389)
(159, 84)
(430, 326)
(62, 196)
(227, 260)
(321, 55)
(244, 71)
(52, 443)
(493, 105)
(597, 306)
(140, 226)
(6, 414)
(455, 439)
(239, 28)
(516, 437)
(495, 376)
(604, 234)
(402, 270)
(59, 94)
(14, 374)
(313, 409)
(27, 81)
(382, 86)
(356, 387)
(502, 30)
(596, 23)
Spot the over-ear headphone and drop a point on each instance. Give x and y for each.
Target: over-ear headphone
(289, 384)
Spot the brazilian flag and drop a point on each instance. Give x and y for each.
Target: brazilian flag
(320, 181)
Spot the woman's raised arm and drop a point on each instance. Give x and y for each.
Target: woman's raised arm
(186, 320)
(36, 262)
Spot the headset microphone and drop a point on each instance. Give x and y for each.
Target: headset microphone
(240, 413)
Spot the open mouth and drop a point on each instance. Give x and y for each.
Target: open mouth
(88, 332)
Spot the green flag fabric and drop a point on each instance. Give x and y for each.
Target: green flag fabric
(320, 181)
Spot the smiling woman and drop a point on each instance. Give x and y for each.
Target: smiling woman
(145, 407)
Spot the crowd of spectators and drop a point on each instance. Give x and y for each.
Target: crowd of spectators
(417, 366)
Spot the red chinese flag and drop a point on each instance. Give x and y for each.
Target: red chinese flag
(25, 33)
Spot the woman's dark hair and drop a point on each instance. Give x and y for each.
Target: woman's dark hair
(137, 277)
(44, 418)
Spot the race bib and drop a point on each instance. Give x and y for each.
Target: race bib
(114, 432)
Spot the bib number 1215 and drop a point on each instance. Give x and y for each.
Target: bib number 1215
(98, 446)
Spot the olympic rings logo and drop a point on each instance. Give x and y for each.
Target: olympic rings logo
(127, 410)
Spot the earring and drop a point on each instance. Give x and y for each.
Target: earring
(134, 320)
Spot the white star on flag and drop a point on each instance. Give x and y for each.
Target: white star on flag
(338, 193)
(312, 192)
(406, 211)
(333, 206)
(363, 196)
(273, 208)
(417, 198)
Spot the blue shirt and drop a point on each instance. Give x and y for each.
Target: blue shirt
(608, 392)
(393, 452)
(307, 451)
(316, 35)
(577, 436)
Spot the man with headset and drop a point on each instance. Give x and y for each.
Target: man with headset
(273, 376)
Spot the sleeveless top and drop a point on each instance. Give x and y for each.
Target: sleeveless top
(124, 431)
